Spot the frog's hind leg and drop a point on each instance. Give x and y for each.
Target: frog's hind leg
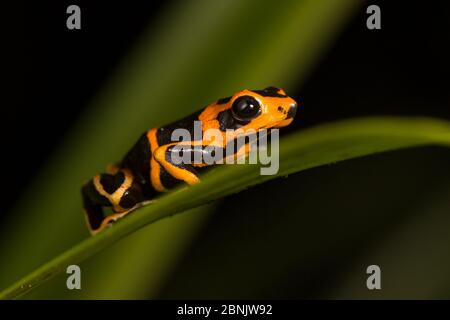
(94, 204)
(112, 218)
(119, 191)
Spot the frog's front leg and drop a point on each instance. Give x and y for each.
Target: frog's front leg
(180, 160)
(180, 171)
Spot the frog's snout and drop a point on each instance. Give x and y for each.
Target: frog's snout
(292, 110)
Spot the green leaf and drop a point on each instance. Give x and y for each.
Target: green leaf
(325, 144)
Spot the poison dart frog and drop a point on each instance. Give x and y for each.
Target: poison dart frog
(147, 169)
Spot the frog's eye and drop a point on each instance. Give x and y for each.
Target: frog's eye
(245, 108)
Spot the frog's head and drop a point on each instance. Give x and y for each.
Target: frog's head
(259, 109)
(250, 109)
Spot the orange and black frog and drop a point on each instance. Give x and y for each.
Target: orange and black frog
(148, 168)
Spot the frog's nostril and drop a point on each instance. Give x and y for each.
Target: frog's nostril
(292, 110)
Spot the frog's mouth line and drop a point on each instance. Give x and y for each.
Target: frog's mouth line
(284, 123)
